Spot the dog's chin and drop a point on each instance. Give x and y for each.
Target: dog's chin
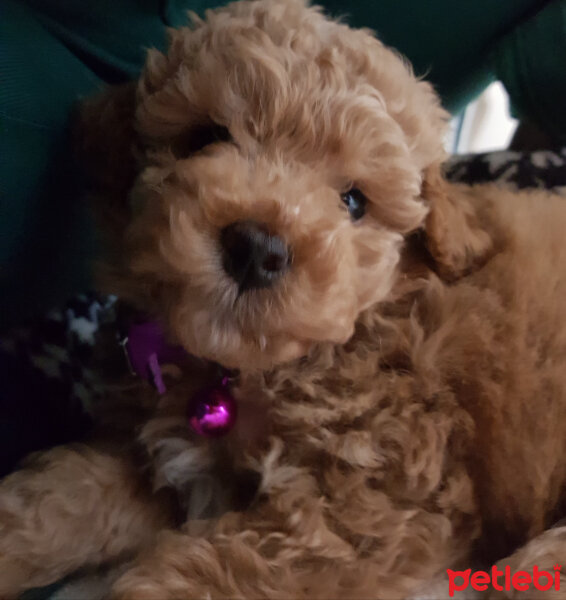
(262, 329)
(250, 354)
(235, 346)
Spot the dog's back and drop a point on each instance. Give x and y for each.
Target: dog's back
(506, 334)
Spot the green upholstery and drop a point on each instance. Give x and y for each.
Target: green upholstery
(531, 62)
(45, 237)
(448, 41)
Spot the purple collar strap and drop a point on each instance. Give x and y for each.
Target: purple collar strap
(211, 411)
(147, 348)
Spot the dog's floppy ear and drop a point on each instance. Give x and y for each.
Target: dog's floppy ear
(457, 236)
(104, 139)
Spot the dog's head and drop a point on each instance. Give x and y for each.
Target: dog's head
(283, 160)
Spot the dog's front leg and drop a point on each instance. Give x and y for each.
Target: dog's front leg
(181, 566)
(548, 552)
(71, 507)
(264, 553)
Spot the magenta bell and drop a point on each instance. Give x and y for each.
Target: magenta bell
(212, 411)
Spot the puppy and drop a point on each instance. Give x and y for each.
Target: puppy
(272, 192)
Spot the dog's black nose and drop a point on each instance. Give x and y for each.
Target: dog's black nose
(252, 256)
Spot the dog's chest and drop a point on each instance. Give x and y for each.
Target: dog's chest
(359, 417)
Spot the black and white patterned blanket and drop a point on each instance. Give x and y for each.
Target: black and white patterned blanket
(518, 170)
(48, 369)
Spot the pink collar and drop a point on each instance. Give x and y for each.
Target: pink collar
(211, 411)
(146, 349)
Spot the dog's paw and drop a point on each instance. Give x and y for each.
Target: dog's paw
(14, 575)
(547, 581)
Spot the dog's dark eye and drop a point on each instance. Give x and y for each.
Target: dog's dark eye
(197, 138)
(355, 201)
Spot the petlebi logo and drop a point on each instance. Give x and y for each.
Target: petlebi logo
(504, 580)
